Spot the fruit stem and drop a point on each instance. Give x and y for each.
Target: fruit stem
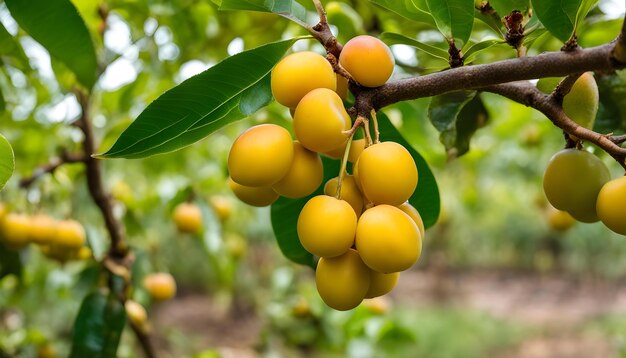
(344, 163)
(376, 131)
(368, 135)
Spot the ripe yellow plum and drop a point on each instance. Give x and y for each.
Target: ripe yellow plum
(160, 285)
(572, 181)
(387, 173)
(368, 60)
(349, 192)
(16, 230)
(222, 206)
(415, 215)
(611, 205)
(255, 196)
(342, 281)
(70, 234)
(381, 283)
(188, 218)
(304, 176)
(326, 226)
(261, 155)
(559, 220)
(299, 73)
(320, 120)
(342, 87)
(43, 229)
(582, 102)
(136, 313)
(387, 239)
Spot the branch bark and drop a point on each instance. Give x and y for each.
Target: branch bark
(51, 166)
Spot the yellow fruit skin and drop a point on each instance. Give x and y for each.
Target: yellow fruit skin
(381, 283)
(368, 60)
(342, 281)
(298, 74)
(261, 196)
(136, 313)
(261, 155)
(377, 305)
(342, 87)
(46, 351)
(304, 176)
(387, 239)
(356, 148)
(16, 230)
(160, 285)
(349, 192)
(572, 181)
(582, 102)
(611, 205)
(222, 206)
(387, 173)
(188, 218)
(415, 215)
(70, 234)
(326, 226)
(559, 220)
(43, 229)
(320, 120)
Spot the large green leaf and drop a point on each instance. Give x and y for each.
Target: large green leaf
(454, 18)
(393, 39)
(57, 25)
(457, 115)
(98, 327)
(224, 93)
(414, 10)
(7, 161)
(289, 9)
(561, 17)
(505, 7)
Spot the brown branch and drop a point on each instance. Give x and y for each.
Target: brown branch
(563, 88)
(50, 167)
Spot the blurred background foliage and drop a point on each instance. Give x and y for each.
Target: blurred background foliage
(493, 208)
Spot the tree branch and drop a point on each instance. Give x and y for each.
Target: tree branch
(50, 167)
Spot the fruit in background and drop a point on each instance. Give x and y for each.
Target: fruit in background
(222, 206)
(326, 226)
(387, 239)
(559, 220)
(415, 215)
(84, 253)
(188, 218)
(261, 155)
(255, 196)
(301, 308)
(160, 285)
(611, 205)
(320, 120)
(378, 305)
(16, 230)
(46, 351)
(381, 283)
(349, 192)
(387, 173)
(236, 245)
(572, 181)
(368, 60)
(70, 234)
(43, 229)
(304, 175)
(299, 73)
(342, 281)
(136, 313)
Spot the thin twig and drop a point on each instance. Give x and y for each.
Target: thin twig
(563, 88)
(376, 131)
(50, 167)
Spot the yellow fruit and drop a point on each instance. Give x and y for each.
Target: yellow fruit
(222, 206)
(161, 286)
(381, 283)
(236, 245)
(136, 313)
(377, 305)
(301, 309)
(16, 230)
(611, 205)
(3, 211)
(559, 220)
(320, 120)
(304, 176)
(188, 218)
(357, 147)
(387, 173)
(298, 74)
(342, 281)
(342, 87)
(581, 103)
(326, 226)
(261, 155)
(368, 60)
(261, 196)
(70, 234)
(387, 239)
(84, 253)
(349, 192)
(414, 214)
(572, 181)
(43, 229)
(46, 351)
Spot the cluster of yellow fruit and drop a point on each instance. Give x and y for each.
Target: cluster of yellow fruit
(366, 232)
(61, 240)
(579, 183)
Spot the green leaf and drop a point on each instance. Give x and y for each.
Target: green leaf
(393, 39)
(7, 161)
(611, 117)
(582, 12)
(10, 261)
(457, 115)
(284, 217)
(454, 19)
(506, 7)
(57, 25)
(289, 9)
(98, 327)
(557, 16)
(3, 103)
(10, 47)
(426, 196)
(256, 97)
(414, 10)
(201, 104)
(470, 54)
